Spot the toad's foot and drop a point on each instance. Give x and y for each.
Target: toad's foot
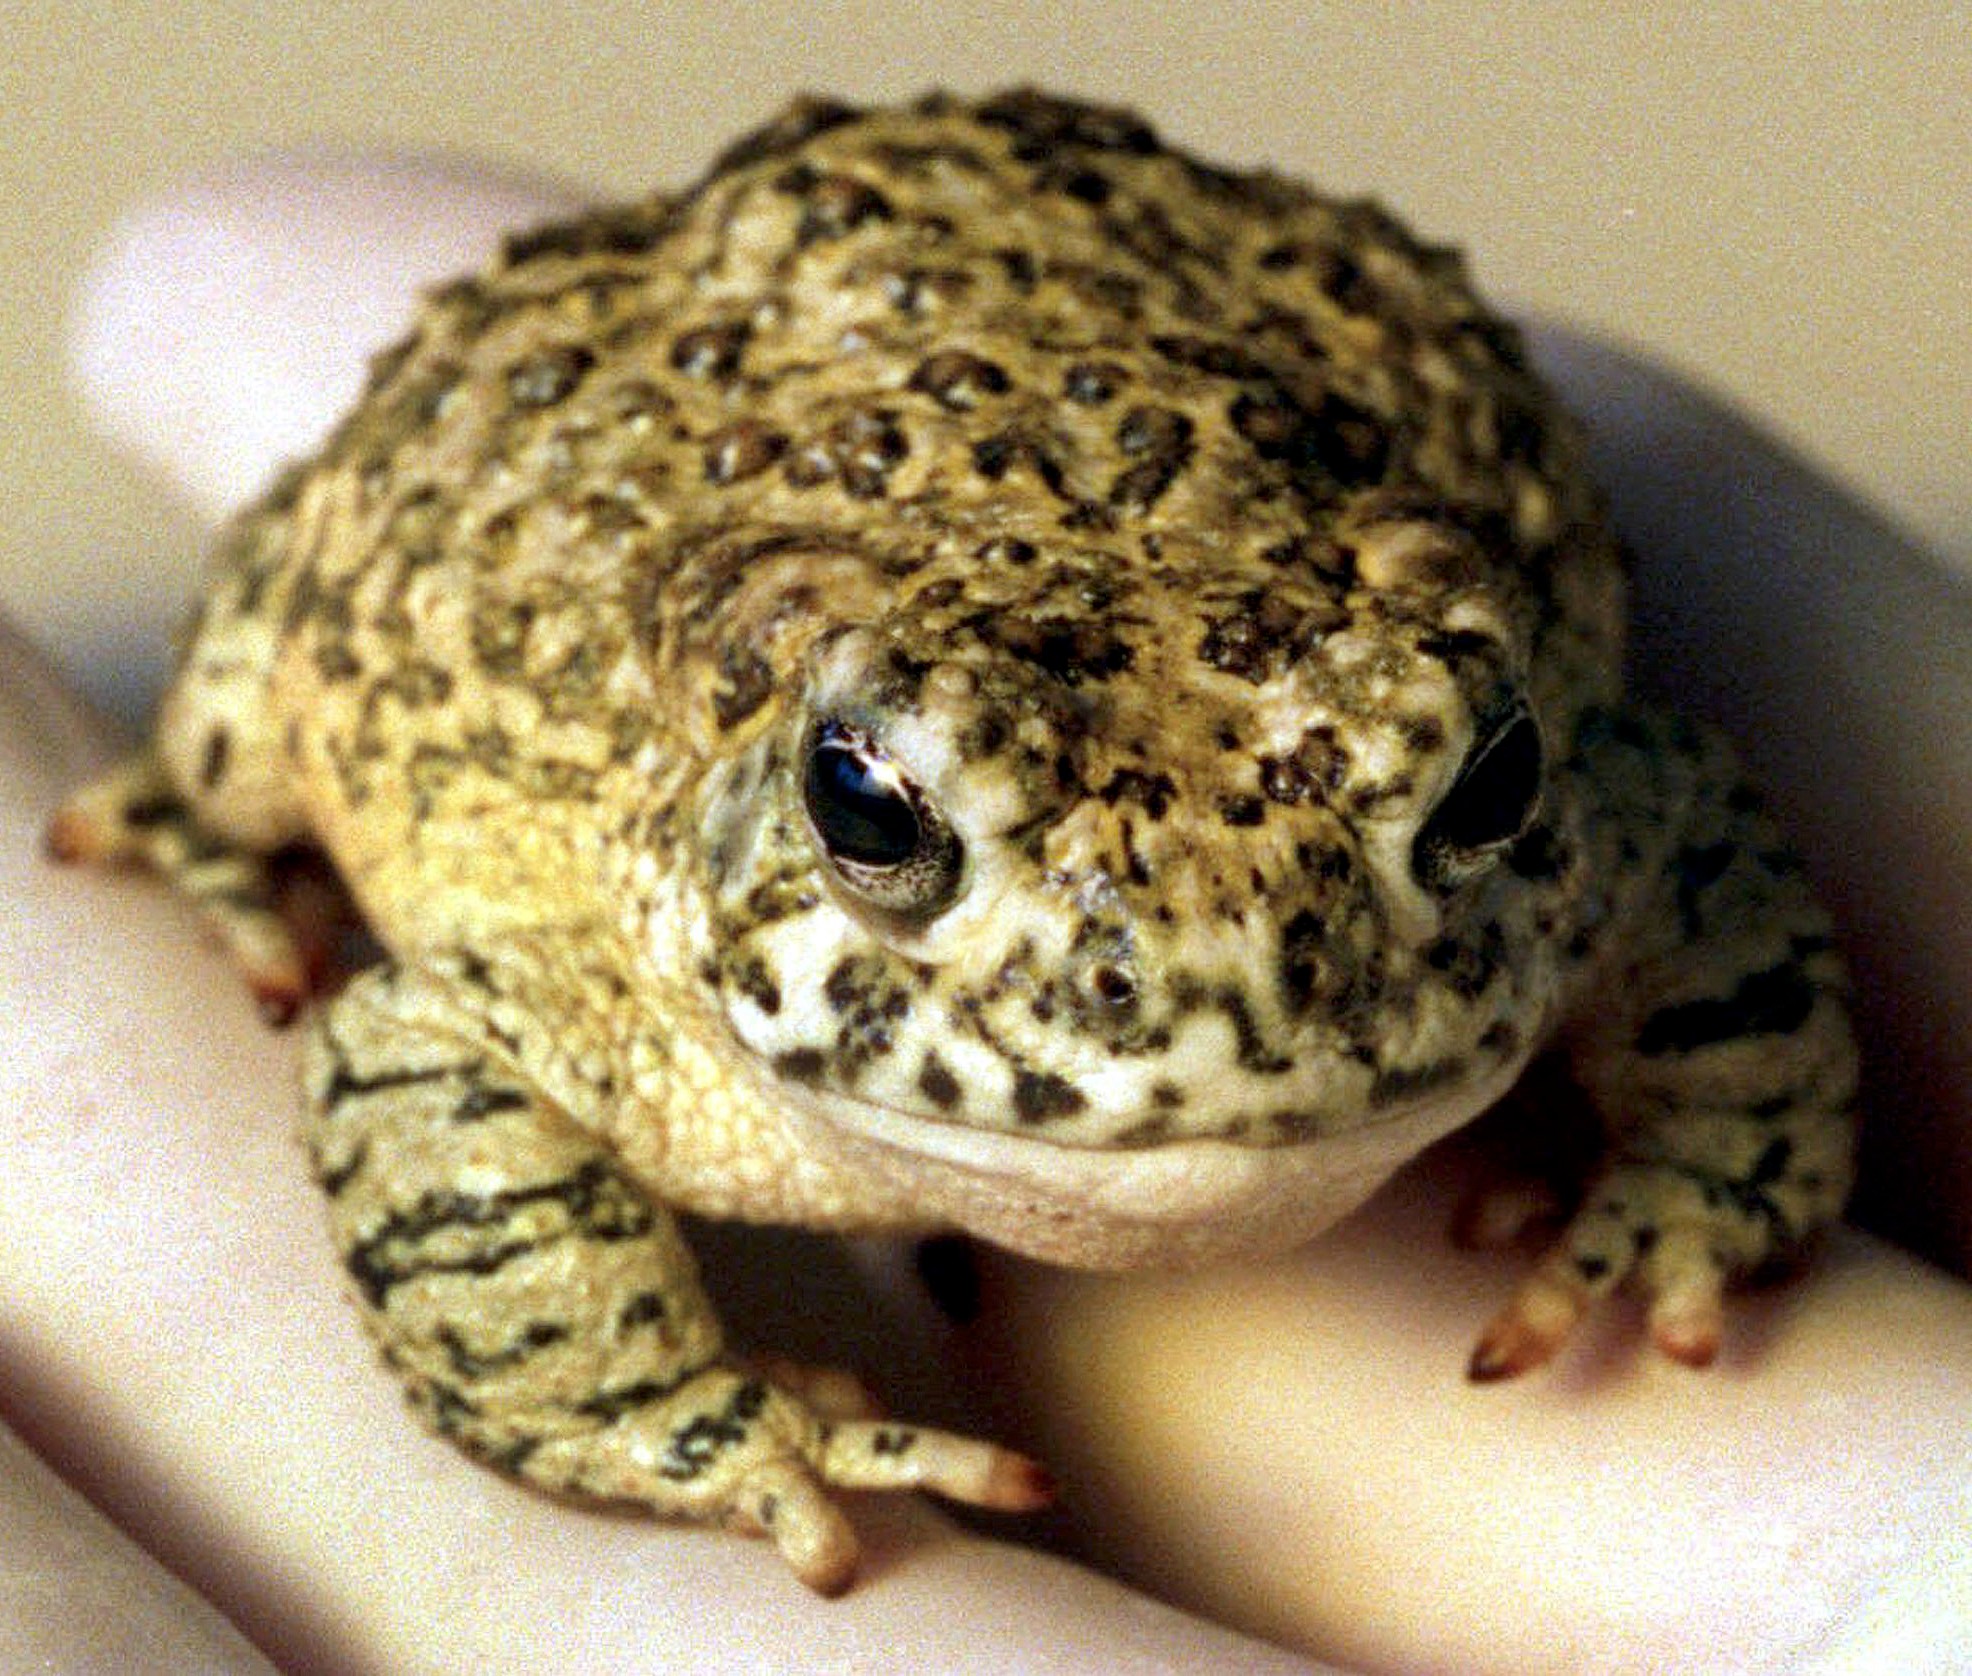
(134, 814)
(726, 1447)
(1679, 1235)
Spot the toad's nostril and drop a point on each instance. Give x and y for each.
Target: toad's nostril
(1112, 985)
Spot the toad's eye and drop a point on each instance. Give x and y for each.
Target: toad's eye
(881, 835)
(1490, 804)
(862, 807)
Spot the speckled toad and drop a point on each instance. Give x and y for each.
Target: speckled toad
(969, 671)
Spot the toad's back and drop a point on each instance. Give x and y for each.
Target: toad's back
(1151, 415)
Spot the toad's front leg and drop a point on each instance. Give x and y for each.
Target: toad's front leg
(545, 1315)
(1721, 1061)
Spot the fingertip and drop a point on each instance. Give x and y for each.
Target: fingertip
(278, 998)
(1500, 1355)
(68, 839)
(819, 1546)
(829, 1573)
(1018, 1484)
(1690, 1340)
(1495, 1217)
(1526, 1333)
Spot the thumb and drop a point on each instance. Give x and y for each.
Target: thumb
(228, 322)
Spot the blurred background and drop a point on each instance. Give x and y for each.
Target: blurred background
(1770, 200)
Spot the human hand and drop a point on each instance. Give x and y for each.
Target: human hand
(1345, 1358)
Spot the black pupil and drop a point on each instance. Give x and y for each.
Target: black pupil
(1490, 801)
(860, 814)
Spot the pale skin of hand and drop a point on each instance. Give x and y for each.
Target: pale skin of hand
(341, 1538)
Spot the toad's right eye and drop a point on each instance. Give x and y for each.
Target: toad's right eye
(1493, 800)
(880, 833)
(861, 807)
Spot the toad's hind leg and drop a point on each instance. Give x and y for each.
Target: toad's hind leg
(210, 796)
(547, 1316)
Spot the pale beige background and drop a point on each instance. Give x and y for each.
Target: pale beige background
(1772, 198)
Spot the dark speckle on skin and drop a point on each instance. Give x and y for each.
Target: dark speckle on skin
(545, 378)
(1039, 1096)
(1091, 383)
(802, 1065)
(712, 351)
(958, 379)
(938, 1085)
(1243, 811)
(218, 751)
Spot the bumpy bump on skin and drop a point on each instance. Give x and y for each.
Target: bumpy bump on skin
(969, 670)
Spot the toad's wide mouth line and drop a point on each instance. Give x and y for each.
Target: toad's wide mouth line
(1177, 1169)
(1150, 1133)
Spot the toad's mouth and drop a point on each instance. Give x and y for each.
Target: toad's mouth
(1177, 1201)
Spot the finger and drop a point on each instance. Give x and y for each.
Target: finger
(1529, 1330)
(134, 813)
(1590, 1260)
(1211, 1423)
(80, 1597)
(830, 1393)
(1685, 1282)
(783, 1500)
(1496, 1216)
(880, 1456)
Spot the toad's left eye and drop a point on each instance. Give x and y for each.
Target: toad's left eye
(1490, 803)
(880, 833)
